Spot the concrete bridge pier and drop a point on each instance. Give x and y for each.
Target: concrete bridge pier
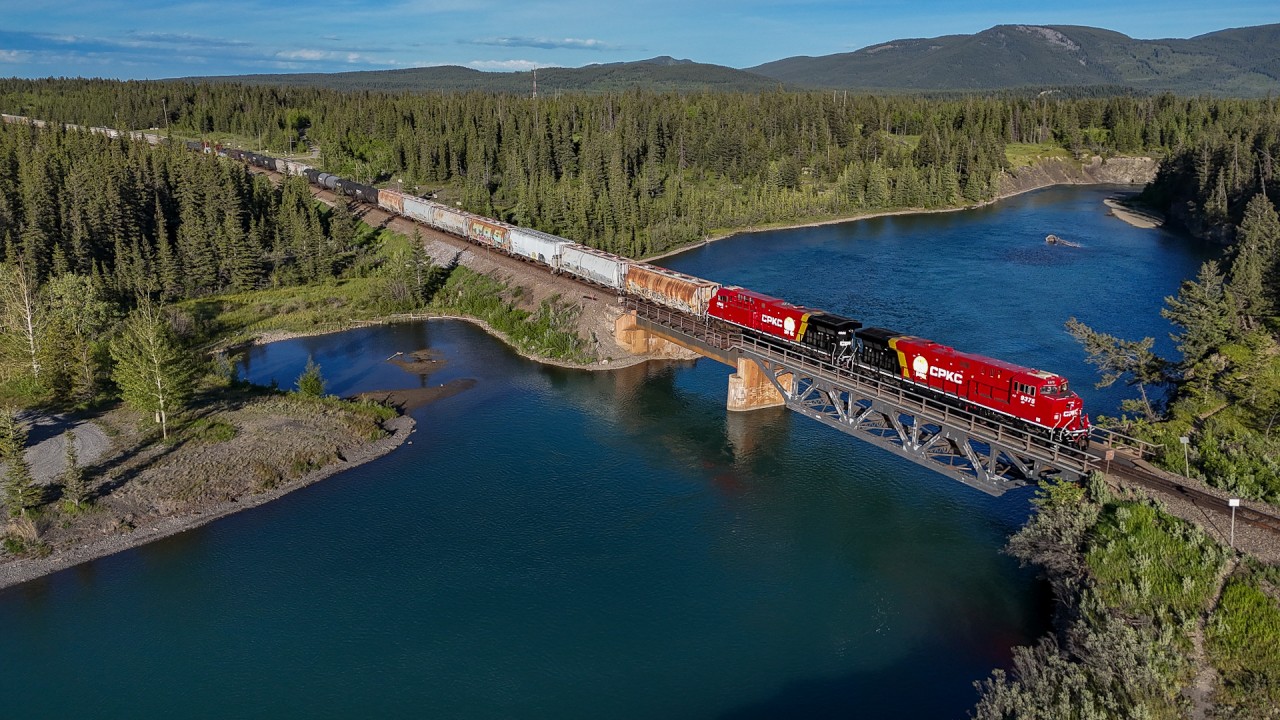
(751, 389)
(639, 341)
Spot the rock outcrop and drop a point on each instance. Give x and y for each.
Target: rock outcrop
(1060, 171)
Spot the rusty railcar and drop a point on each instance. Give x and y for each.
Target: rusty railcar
(669, 288)
(391, 200)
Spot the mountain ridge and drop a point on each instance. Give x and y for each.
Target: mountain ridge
(1238, 62)
(1234, 61)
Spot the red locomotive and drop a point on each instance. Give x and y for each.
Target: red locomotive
(1034, 398)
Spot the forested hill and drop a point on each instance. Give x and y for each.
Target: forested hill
(660, 74)
(1240, 62)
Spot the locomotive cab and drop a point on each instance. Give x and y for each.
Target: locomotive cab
(1054, 405)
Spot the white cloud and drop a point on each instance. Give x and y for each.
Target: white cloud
(312, 55)
(14, 56)
(505, 65)
(545, 43)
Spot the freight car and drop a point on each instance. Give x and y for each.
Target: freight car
(669, 288)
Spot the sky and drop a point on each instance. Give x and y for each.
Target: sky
(151, 39)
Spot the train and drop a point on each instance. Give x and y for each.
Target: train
(1036, 400)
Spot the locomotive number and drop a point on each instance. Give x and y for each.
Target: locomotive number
(1027, 400)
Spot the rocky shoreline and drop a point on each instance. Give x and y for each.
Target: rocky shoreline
(25, 569)
(1135, 216)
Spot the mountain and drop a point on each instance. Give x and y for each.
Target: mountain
(1235, 62)
(658, 74)
(1240, 62)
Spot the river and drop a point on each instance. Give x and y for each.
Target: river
(564, 544)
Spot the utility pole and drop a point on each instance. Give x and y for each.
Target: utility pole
(535, 83)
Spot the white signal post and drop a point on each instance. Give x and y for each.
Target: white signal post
(1234, 503)
(1186, 459)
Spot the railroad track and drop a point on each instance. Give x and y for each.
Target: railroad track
(1177, 487)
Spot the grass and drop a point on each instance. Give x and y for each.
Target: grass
(209, 430)
(549, 331)
(1147, 563)
(239, 317)
(1024, 154)
(367, 294)
(1244, 643)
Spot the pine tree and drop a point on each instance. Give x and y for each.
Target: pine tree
(1204, 313)
(1255, 272)
(75, 483)
(21, 494)
(311, 382)
(1116, 358)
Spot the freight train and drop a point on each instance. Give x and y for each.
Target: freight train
(1033, 399)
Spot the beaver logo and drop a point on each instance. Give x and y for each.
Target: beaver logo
(789, 325)
(920, 366)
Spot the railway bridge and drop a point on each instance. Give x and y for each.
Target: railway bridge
(981, 452)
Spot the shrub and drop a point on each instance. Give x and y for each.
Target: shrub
(310, 382)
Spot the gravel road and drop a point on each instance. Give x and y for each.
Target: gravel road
(47, 444)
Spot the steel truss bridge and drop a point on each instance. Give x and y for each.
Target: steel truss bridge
(977, 450)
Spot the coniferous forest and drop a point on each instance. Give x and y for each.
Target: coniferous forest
(638, 173)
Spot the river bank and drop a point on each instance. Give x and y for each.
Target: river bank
(152, 493)
(1047, 175)
(1124, 210)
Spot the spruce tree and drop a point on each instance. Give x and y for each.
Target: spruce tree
(1255, 271)
(75, 484)
(21, 494)
(1204, 313)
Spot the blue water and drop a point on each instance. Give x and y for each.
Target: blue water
(980, 280)
(561, 544)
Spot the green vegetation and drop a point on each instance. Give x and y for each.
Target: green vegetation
(311, 382)
(208, 430)
(1133, 583)
(21, 494)
(1146, 563)
(1024, 154)
(632, 172)
(547, 332)
(152, 369)
(76, 493)
(1244, 642)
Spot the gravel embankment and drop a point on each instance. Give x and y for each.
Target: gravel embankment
(16, 571)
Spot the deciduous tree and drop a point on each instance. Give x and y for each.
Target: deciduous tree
(152, 369)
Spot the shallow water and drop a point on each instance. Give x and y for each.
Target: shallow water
(558, 544)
